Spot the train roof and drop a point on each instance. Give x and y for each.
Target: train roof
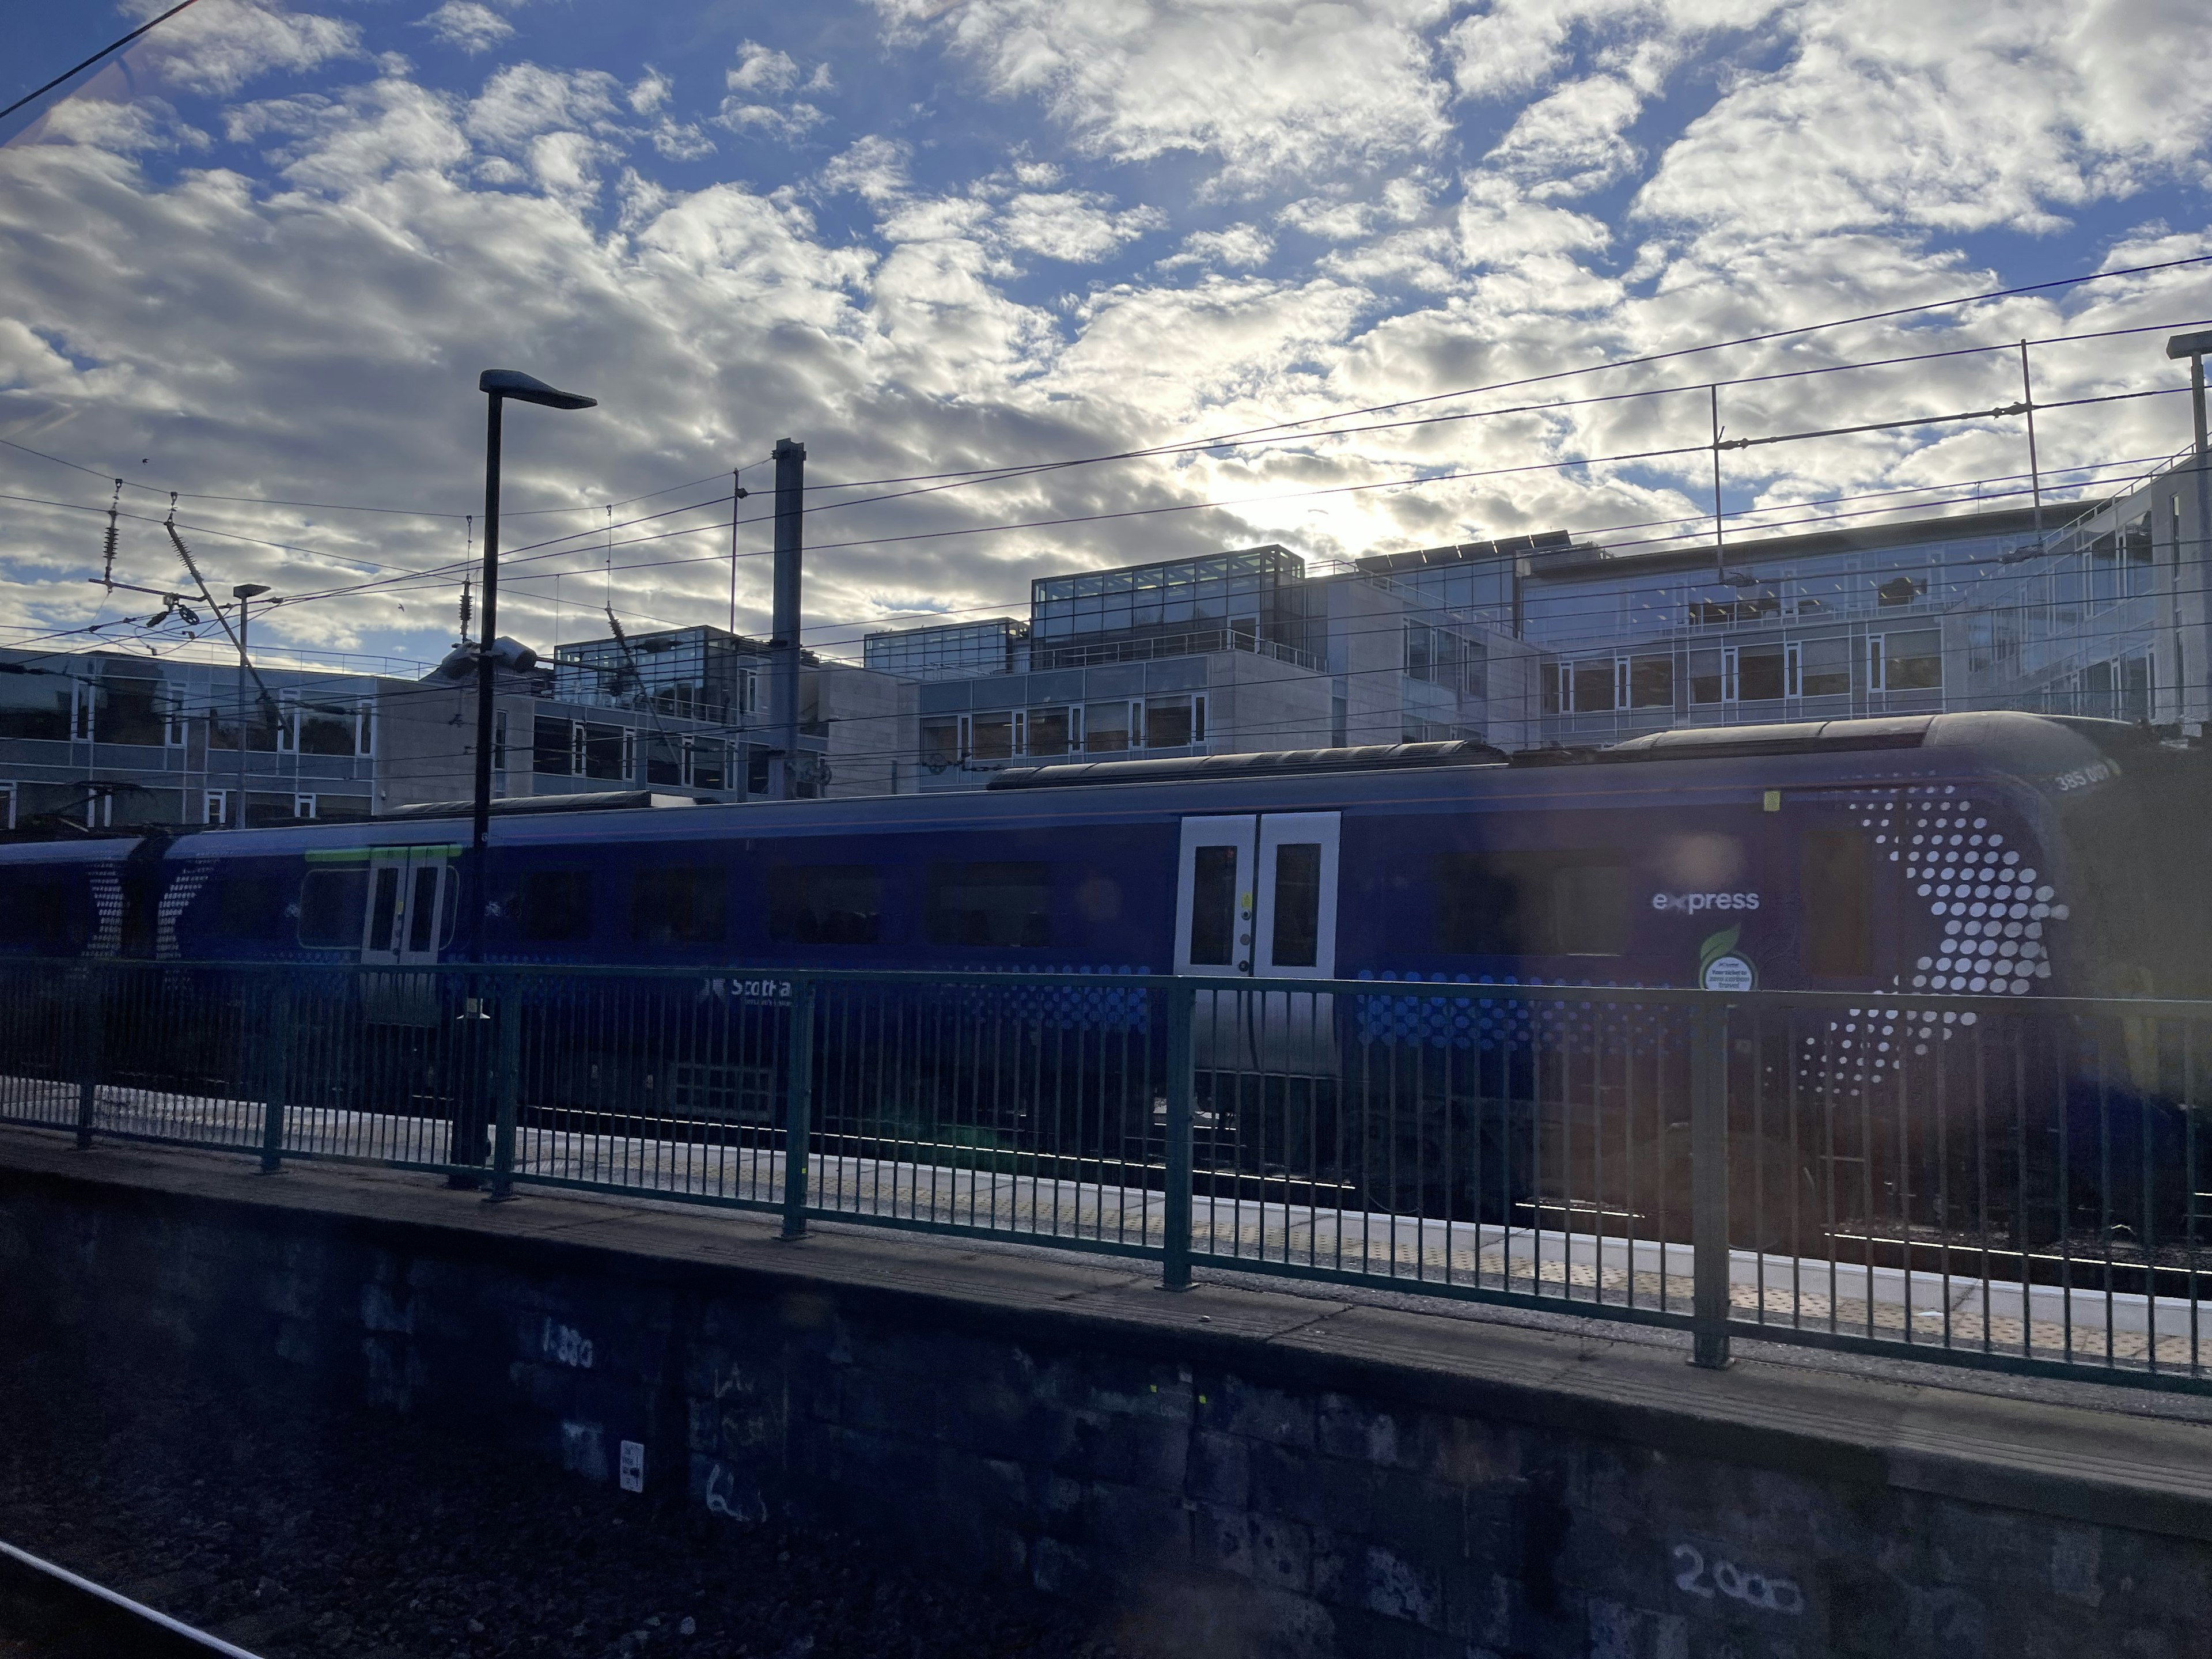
(2035, 747)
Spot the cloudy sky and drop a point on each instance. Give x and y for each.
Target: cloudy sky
(264, 256)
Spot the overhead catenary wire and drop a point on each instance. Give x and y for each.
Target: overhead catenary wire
(108, 50)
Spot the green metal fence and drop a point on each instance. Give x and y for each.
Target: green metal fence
(2007, 1181)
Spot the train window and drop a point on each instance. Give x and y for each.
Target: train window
(43, 913)
(330, 908)
(1212, 906)
(989, 904)
(684, 905)
(554, 906)
(1837, 894)
(1297, 941)
(422, 908)
(384, 907)
(250, 906)
(826, 904)
(1532, 904)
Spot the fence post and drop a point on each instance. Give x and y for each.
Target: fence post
(1175, 1209)
(1709, 1184)
(507, 1083)
(799, 1106)
(90, 1038)
(276, 1046)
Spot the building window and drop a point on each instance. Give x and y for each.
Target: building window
(1758, 673)
(1105, 727)
(1705, 682)
(36, 705)
(1824, 667)
(215, 807)
(994, 735)
(498, 742)
(1054, 732)
(1651, 682)
(549, 747)
(7, 806)
(303, 807)
(943, 743)
(326, 729)
(1906, 662)
(1175, 722)
(1592, 685)
(664, 759)
(603, 751)
(173, 723)
(710, 763)
(748, 692)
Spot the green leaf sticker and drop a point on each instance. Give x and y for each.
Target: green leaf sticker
(1721, 967)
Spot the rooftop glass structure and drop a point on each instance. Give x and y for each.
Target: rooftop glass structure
(947, 651)
(1258, 592)
(692, 673)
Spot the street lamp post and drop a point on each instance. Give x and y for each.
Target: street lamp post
(245, 593)
(498, 385)
(471, 1116)
(2193, 347)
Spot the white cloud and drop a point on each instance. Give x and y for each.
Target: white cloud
(1073, 226)
(468, 25)
(786, 122)
(1891, 113)
(1431, 221)
(1267, 86)
(874, 168)
(219, 46)
(1569, 142)
(762, 69)
(524, 100)
(680, 141)
(1233, 247)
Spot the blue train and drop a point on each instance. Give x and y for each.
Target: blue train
(1989, 855)
(1999, 854)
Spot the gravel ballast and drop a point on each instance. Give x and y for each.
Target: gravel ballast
(369, 1534)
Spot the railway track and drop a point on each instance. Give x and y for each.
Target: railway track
(47, 1611)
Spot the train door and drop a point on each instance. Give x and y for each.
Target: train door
(1256, 899)
(410, 897)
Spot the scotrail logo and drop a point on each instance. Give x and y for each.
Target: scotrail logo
(1694, 905)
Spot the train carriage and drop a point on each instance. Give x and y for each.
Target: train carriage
(1986, 854)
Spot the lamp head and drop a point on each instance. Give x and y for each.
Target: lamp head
(528, 389)
(249, 590)
(2199, 344)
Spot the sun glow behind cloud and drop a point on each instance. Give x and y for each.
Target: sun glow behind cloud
(269, 253)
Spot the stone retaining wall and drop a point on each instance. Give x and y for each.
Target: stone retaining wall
(1225, 1490)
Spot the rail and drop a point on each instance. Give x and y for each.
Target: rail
(2004, 1180)
(96, 1619)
